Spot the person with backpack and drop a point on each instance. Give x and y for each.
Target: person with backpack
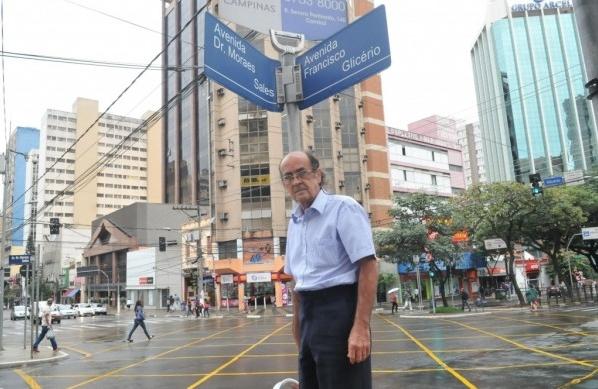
(139, 321)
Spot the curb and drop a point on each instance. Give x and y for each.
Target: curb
(35, 361)
(443, 316)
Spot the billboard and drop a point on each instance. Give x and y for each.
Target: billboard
(141, 269)
(259, 250)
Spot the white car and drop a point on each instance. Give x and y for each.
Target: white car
(19, 312)
(84, 309)
(99, 309)
(67, 311)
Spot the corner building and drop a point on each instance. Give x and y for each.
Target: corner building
(529, 78)
(222, 153)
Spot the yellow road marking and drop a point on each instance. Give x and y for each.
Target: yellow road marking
(522, 346)
(84, 353)
(577, 381)
(30, 381)
(431, 354)
(112, 372)
(549, 326)
(235, 358)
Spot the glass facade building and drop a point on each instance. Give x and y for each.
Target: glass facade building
(529, 78)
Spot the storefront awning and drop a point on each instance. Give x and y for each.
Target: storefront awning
(71, 292)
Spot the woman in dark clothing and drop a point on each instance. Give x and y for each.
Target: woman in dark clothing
(139, 321)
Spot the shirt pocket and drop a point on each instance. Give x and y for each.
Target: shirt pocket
(325, 255)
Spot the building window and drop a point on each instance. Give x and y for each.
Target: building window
(227, 249)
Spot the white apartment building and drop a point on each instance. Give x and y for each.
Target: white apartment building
(73, 188)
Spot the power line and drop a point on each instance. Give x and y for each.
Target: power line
(70, 148)
(74, 61)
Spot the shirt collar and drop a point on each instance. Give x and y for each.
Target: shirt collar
(319, 204)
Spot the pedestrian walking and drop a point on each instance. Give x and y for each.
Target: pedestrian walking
(465, 300)
(408, 299)
(206, 308)
(189, 307)
(393, 301)
(331, 256)
(139, 321)
(47, 329)
(532, 298)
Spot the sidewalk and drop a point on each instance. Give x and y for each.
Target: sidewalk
(215, 313)
(13, 356)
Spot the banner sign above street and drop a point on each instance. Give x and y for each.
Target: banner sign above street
(234, 63)
(353, 54)
(19, 259)
(494, 244)
(86, 271)
(315, 19)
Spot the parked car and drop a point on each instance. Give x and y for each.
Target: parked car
(84, 309)
(54, 313)
(99, 309)
(19, 312)
(68, 312)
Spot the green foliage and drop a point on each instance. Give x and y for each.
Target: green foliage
(448, 310)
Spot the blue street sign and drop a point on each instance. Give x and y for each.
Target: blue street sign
(234, 63)
(553, 181)
(353, 54)
(19, 259)
(315, 19)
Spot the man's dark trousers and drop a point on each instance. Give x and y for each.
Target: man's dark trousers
(326, 318)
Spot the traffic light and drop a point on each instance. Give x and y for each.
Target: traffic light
(54, 226)
(536, 183)
(162, 243)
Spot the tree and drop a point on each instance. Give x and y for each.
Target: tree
(557, 216)
(586, 197)
(498, 210)
(423, 224)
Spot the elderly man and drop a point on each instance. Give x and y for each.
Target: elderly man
(330, 254)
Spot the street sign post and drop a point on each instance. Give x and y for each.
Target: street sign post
(353, 54)
(315, 19)
(554, 181)
(589, 233)
(234, 63)
(19, 259)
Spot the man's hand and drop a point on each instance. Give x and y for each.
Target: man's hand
(359, 344)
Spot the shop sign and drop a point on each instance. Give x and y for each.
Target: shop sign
(146, 280)
(226, 279)
(532, 266)
(259, 277)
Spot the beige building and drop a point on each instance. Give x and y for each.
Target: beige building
(222, 153)
(87, 180)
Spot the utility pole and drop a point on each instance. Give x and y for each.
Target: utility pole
(199, 259)
(5, 171)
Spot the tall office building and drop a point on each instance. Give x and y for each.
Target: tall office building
(74, 187)
(21, 142)
(529, 80)
(222, 152)
(469, 138)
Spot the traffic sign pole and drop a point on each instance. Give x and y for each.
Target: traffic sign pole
(3, 244)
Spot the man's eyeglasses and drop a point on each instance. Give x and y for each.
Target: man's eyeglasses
(301, 175)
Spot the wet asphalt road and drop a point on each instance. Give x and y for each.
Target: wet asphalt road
(506, 349)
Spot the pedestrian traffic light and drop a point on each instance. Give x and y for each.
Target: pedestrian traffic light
(54, 226)
(162, 243)
(536, 183)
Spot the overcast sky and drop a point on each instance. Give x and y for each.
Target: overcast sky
(430, 42)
